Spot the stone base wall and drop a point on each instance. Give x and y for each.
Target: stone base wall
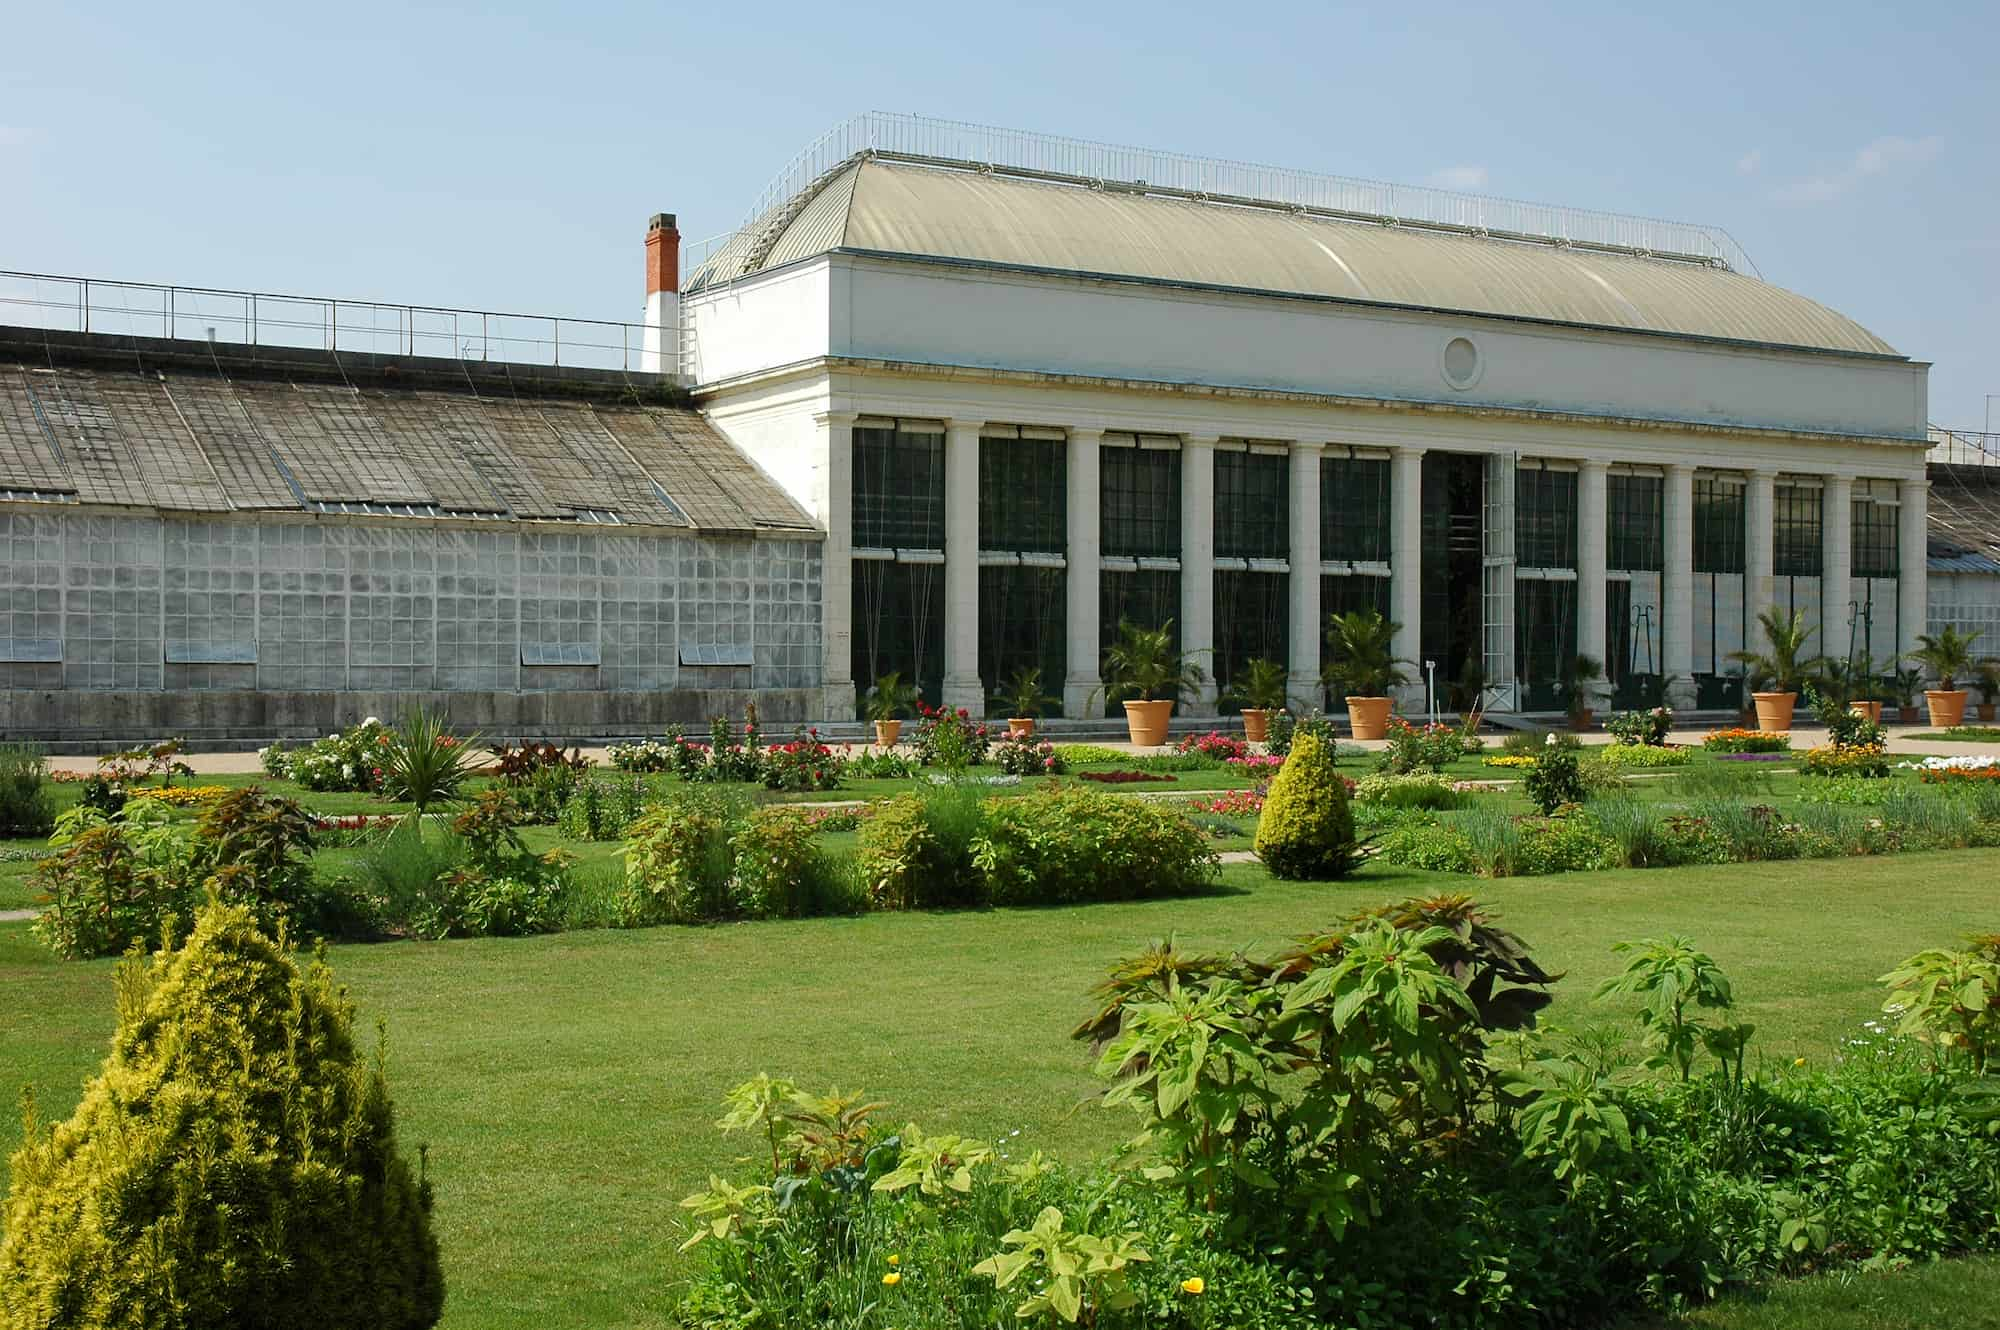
(77, 720)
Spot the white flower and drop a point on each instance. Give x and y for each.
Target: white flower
(1549, 742)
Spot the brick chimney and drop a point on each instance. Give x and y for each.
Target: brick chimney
(662, 353)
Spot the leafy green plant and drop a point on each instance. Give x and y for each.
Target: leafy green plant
(233, 1163)
(1556, 779)
(1950, 1000)
(780, 870)
(1259, 686)
(1674, 979)
(1946, 654)
(423, 763)
(256, 850)
(1363, 661)
(1306, 831)
(1569, 1114)
(1581, 683)
(1064, 845)
(1076, 1271)
(678, 860)
(916, 851)
(1783, 663)
(1022, 695)
(26, 807)
(891, 698)
(1144, 665)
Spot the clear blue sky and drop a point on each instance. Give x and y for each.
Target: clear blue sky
(504, 157)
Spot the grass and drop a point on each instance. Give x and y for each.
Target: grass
(1962, 1294)
(567, 1085)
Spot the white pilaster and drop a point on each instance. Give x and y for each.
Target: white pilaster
(1083, 580)
(1303, 551)
(1836, 578)
(961, 567)
(1913, 576)
(1406, 564)
(1759, 552)
(836, 585)
(1591, 481)
(1198, 562)
(1677, 586)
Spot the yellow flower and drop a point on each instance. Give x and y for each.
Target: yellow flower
(892, 1279)
(895, 1259)
(1798, 1062)
(1196, 1286)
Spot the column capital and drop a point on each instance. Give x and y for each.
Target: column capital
(1593, 464)
(1678, 469)
(835, 417)
(1920, 484)
(1308, 445)
(1838, 478)
(1080, 432)
(1200, 440)
(960, 424)
(1764, 473)
(1407, 450)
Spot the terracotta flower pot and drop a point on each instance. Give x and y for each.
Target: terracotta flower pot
(1947, 708)
(1986, 711)
(887, 732)
(1774, 711)
(1368, 717)
(1256, 725)
(1580, 720)
(1020, 724)
(1872, 710)
(1147, 722)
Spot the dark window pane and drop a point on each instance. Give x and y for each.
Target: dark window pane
(899, 624)
(1545, 518)
(1139, 501)
(1875, 550)
(1544, 640)
(1021, 495)
(1021, 626)
(898, 488)
(1252, 516)
(1718, 525)
(1252, 620)
(1795, 531)
(1635, 524)
(1354, 508)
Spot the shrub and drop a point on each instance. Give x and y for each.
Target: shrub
(517, 766)
(1642, 756)
(1222, 747)
(643, 755)
(26, 808)
(348, 760)
(1646, 729)
(1566, 843)
(1738, 740)
(113, 883)
(1641, 834)
(500, 887)
(1418, 789)
(1492, 839)
(1555, 779)
(780, 870)
(1426, 843)
(234, 1163)
(1430, 748)
(422, 763)
(1285, 728)
(544, 793)
(678, 862)
(402, 874)
(882, 764)
(916, 851)
(603, 810)
(1126, 777)
(256, 851)
(1306, 831)
(950, 739)
(803, 763)
(1061, 846)
(1024, 755)
(103, 795)
(1865, 760)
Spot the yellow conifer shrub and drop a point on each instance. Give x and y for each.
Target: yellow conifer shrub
(1307, 831)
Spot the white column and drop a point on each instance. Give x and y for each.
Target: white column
(1304, 554)
(961, 567)
(1591, 480)
(1082, 579)
(1406, 565)
(1677, 586)
(1759, 591)
(834, 492)
(1836, 576)
(1913, 562)
(1198, 562)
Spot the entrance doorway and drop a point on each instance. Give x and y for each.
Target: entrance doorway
(1450, 577)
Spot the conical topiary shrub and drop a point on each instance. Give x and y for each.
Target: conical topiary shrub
(234, 1164)
(1307, 831)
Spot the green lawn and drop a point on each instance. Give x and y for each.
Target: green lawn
(566, 1084)
(1962, 1295)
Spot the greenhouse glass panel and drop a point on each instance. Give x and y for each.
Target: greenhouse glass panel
(1875, 549)
(1544, 640)
(898, 487)
(1795, 529)
(1252, 621)
(1021, 495)
(1636, 524)
(1252, 505)
(1545, 518)
(899, 624)
(1345, 594)
(1139, 501)
(1718, 525)
(1146, 599)
(1021, 626)
(1354, 508)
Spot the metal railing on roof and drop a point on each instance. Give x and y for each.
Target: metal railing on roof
(918, 136)
(262, 318)
(1963, 447)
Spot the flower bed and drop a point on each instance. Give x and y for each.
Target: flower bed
(1215, 744)
(1851, 760)
(1235, 803)
(1511, 761)
(181, 796)
(1739, 740)
(644, 755)
(1256, 762)
(1125, 777)
(1753, 757)
(1962, 776)
(1642, 756)
(1974, 762)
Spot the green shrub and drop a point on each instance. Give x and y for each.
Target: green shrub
(1555, 779)
(603, 810)
(1569, 843)
(678, 861)
(1306, 831)
(1638, 833)
(916, 851)
(26, 807)
(1642, 756)
(1417, 789)
(1410, 748)
(1060, 846)
(233, 1164)
(256, 850)
(780, 869)
(1423, 842)
(401, 875)
(113, 883)
(1492, 838)
(499, 887)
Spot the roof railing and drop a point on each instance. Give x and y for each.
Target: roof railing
(263, 318)
(916, 136)
(1963, 447)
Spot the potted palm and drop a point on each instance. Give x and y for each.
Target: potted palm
(1783, 666)
(1144, 671)
(1259, 692)
(1582, 684)
(1023, 700)
(1947, 655)
(1852, 682)
(1904, 685)
(1363, 668)
(889, 701)
(1987, 680)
